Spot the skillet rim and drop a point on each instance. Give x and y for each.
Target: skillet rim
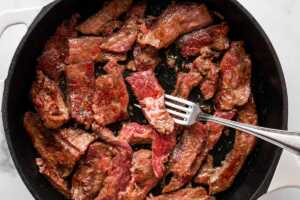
(44, 11)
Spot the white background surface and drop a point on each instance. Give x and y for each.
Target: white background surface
(280, 20)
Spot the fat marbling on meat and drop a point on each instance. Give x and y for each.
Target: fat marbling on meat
(151, 98)
(176, 20)
(48, 101)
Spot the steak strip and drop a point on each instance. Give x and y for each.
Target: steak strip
(177, 19)
(110, 11)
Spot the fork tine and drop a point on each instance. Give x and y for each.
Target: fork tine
(178, 114)
(178, 107)
(180, 100)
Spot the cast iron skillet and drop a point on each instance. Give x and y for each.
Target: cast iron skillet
(268, 87)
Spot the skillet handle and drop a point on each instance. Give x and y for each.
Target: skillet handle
(17, 16)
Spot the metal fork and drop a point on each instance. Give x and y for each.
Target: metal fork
(187, 113)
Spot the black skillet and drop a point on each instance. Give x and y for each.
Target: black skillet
(268, 86)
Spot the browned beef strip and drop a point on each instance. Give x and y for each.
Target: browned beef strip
(111, 26)
(142, 176)
(51, 62)
(177, 19)
(185, 83)
(110, 11)
(151, 98)
(187, 156)
(145, 58)
(54, 178)
(235, 78)
(214, 37)
(205, 171)
(88, 179)
(110, 99)
(214, 133)
(210, 72)
(119, 176)
(223, 176)
(48, 101)
(197, 193)
(84, 49)
(80, 89)
(112, 67)
(123, 40)
(60, 150)
(162, 145)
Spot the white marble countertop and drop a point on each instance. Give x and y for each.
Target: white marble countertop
(279, 18)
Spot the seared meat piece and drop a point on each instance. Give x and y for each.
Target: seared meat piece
(142, 177)
(145, 58)
(205, 171)
(122, 41)
(111, 99)
(59, 149)
(48, 101)
(215, 130)
(185, 83)
(177, 19)
(214, 133)
(84, 49)
(197, 193)
(88, 179)
(223, 176)
(119, 175)
(214, 37)
(236, 77)
(110, 11)
(134, 133)
(112, 67)
(80, 89)
(54, 178)
(187, 156)
(162, 145)
(87, 49)
(110, 27)
(210, 72)
(77, 138)
(51, 62)
(151, 97)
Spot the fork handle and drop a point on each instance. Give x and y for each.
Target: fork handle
(287, 140)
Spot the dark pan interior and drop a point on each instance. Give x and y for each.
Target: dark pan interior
(268, 87)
